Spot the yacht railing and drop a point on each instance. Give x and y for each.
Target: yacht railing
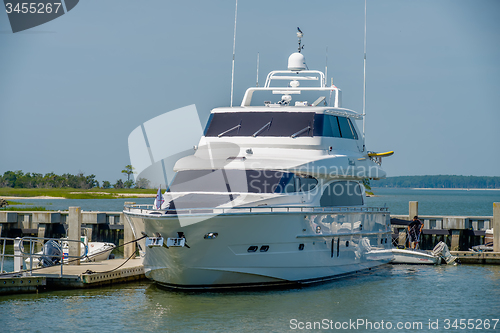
(149, 210)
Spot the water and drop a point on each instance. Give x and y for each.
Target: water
(103, 205)
(392, 294)
(405, 294)
(436, 202)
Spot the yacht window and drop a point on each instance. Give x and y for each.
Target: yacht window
(326, 125)
(353, 130)
(307, 183)
(334, 126)
(208, 123)
(286, 184)
(260, 124)
(262, 181)
(252, 248)
(290, 183)
(245, 181)
(346, 128)
(342, 193)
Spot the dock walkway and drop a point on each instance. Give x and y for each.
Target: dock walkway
(85, 275)
(482, 258)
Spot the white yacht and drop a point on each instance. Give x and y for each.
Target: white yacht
(272, 194)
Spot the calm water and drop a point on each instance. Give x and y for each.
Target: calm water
(404, 294)
(104, 205)
(437, 202)
(392, 294)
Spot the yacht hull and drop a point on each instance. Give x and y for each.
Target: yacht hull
(259, 249)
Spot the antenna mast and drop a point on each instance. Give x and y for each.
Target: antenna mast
(257, 69)
(326, 65)
(364, 84)
(234, 48)
(300, 34)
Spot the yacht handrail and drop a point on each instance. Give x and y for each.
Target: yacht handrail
(296, 76)
(272, 76)
(148, 209)
(247, 98)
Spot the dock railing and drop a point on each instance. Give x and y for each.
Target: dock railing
(459, 232)
(20, 254)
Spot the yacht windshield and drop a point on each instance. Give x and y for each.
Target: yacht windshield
(260, 124)
(243, 181)
(290, 124)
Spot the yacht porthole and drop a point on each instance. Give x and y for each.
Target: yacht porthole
(301, 247)
(252, 248)
(264, 248)
(346, 243)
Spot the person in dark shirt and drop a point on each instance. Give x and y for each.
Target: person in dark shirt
(414, 231)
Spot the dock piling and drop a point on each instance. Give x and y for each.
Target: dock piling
(496, 226)
(18, 255)
(413, 209)
(74, 230)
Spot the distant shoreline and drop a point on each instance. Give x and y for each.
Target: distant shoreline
(443, 189)
(117, 196)
(38, 197)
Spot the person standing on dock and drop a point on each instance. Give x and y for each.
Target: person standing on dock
(414, 231)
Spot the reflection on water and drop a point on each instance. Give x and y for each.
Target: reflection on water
(391, 293)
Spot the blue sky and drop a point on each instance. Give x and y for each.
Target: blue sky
(73, 89)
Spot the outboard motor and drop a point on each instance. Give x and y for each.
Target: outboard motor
(441, 249)
(52, 253)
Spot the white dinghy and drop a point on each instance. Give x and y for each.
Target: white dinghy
(440, 254)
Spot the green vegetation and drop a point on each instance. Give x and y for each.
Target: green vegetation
(129, 170)
(20, 180)
(71, 193)
(13, 203)
(18, 209)
(439, 181)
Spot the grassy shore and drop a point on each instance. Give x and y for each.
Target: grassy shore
(27, 209)
(76, 193)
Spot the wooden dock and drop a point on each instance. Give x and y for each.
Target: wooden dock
(85, 275)
(21, 285)
(484, 258)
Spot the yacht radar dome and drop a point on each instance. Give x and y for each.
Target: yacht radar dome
(296, 62)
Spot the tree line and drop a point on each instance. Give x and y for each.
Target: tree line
(439, 181)
(19, 179)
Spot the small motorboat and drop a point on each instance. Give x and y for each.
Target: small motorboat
(51, 254)
(440, 254)
(488, 243)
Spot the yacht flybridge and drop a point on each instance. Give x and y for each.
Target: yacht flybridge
(272, 195)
